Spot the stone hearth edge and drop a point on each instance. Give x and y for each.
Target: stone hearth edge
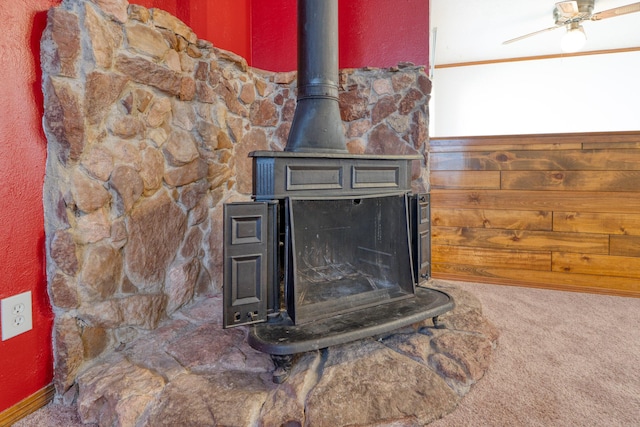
(189, 371)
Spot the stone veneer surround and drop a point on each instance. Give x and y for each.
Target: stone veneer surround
(149, 130)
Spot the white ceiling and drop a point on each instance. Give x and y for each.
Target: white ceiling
(473, 30)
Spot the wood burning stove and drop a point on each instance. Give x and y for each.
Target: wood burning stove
(334, 247)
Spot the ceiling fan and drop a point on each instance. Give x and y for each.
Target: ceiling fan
(570, 14)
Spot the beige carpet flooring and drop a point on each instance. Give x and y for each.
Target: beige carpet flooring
(563, 359)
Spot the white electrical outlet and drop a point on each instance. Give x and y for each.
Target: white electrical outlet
(16, 315)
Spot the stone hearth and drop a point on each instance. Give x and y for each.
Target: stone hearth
(149, 130)
(189, 371)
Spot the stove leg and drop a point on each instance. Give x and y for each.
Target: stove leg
(437, 324)
(283, 365)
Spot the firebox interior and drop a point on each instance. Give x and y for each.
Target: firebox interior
(348, 254)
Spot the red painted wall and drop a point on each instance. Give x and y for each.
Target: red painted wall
(273, 35)
(382, 33)
(225, 23)
(26, 360)
(376, 33)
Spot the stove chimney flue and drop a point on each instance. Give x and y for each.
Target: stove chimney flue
(317, 126)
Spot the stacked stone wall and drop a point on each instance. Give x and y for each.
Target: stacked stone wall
(149, 130)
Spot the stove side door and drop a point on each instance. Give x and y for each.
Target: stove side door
(421, 236)
(246, 258)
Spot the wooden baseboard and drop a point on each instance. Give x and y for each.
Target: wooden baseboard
(27, 406)
(525, 284)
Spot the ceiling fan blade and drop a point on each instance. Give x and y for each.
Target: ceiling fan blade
(616, 11)
(532, 34)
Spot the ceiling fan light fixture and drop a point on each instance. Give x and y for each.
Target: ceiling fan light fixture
(574, 39)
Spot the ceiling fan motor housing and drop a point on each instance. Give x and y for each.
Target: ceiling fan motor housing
(566, 12)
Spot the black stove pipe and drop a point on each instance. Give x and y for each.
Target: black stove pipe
(317, 126)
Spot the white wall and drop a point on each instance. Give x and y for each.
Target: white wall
(590, 93)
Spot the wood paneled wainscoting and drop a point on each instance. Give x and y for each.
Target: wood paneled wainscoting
(559, 211)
